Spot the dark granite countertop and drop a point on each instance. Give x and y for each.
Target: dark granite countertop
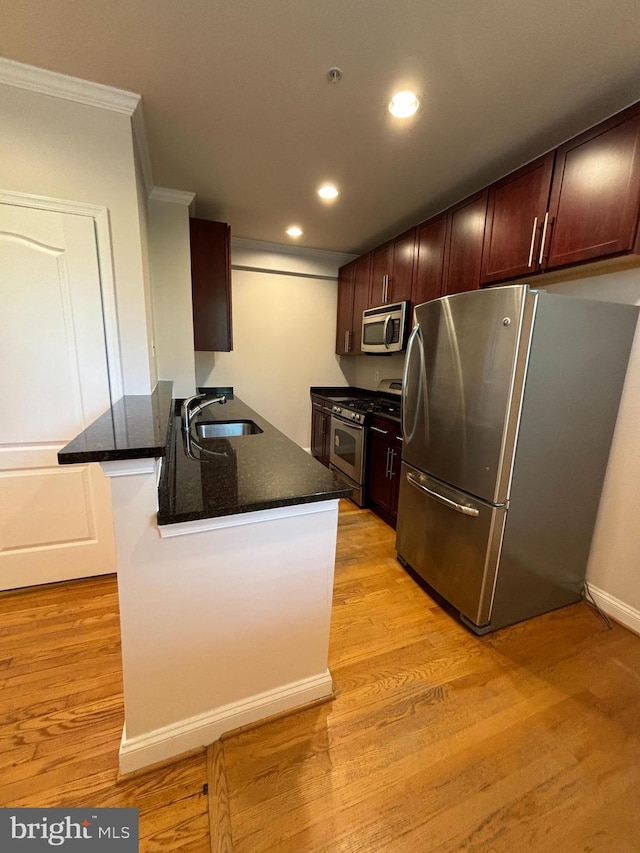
(242, 474)
(135, 427)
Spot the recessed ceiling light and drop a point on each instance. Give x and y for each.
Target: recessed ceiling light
(328, 191)
(403, 104)
(294, 231)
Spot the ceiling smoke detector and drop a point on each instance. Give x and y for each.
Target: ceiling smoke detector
(334, 75)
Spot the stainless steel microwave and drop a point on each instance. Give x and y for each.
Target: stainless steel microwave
(384, 329)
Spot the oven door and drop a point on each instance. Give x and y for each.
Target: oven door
(347, 449)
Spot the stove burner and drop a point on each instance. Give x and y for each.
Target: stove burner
(370, 404)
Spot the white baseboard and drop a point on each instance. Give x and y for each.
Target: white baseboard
(204, 729)
(616, 609)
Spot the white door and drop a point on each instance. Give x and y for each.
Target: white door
(55, 521)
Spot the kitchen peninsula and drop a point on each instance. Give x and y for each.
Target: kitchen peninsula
(225, 572)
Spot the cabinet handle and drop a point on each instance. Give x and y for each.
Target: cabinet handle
(386, 469)
(346, 341)
(533, 240)
(392, 456)
(381, 431)
(544, 236)
(399, 438)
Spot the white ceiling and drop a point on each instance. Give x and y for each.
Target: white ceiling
(238, 108)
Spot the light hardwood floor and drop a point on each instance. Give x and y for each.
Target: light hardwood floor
(528, 739)
(61, 717)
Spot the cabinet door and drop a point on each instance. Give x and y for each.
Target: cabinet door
(595, 196)
(361, 282)
(515, 215)
(326, 438)
(427, 283)
(404, 253)
(320, 429)
(381, 270)
(211, 285)
(379, 485)
(395, 462)
(344, 323)
(383, 483)
(317, 429)
(463, 249)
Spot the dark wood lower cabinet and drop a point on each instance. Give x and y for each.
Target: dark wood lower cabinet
(383, 468)
(320, 429)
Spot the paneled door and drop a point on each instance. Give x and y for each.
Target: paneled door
(55, 522)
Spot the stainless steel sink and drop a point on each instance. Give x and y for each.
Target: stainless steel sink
(225, 429)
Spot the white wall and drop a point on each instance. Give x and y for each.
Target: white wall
(284, 328)
(170, 261)
(143, 220)
(65, 150)
(614, 561)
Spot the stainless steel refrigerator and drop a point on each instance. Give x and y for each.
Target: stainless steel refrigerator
(510, 399)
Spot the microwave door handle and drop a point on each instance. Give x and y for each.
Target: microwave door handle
(386, 330)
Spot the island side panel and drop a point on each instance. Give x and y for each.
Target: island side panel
(220, 627)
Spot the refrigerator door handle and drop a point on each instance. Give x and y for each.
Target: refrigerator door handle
(465, 510)
(406, 419)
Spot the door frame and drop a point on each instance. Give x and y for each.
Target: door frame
(102, 230)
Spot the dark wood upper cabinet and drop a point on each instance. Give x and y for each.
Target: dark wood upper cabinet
(353, 298)
(344, 325)
(430, 238)
(381, 271)
(463, 245)
(211, 285)
(404, 256)
(595, 196)
(361, 285)
(516, 211)
(576, 204)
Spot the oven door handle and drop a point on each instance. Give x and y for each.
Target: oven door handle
(345, 423)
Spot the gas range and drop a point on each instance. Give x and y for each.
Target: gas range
(356, 409)
(348, 437)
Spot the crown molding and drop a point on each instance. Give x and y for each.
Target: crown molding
(85, 92)
(248, 244)
(68, 88)
(173, 196)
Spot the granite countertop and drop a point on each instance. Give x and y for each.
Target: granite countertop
(242, 473)
(239, 474)
(134, 428)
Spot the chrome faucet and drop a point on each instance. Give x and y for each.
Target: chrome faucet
(188, 413)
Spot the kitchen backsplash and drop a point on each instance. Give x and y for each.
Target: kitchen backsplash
(366, 371)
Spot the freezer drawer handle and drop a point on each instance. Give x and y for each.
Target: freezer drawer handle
(465, 510)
